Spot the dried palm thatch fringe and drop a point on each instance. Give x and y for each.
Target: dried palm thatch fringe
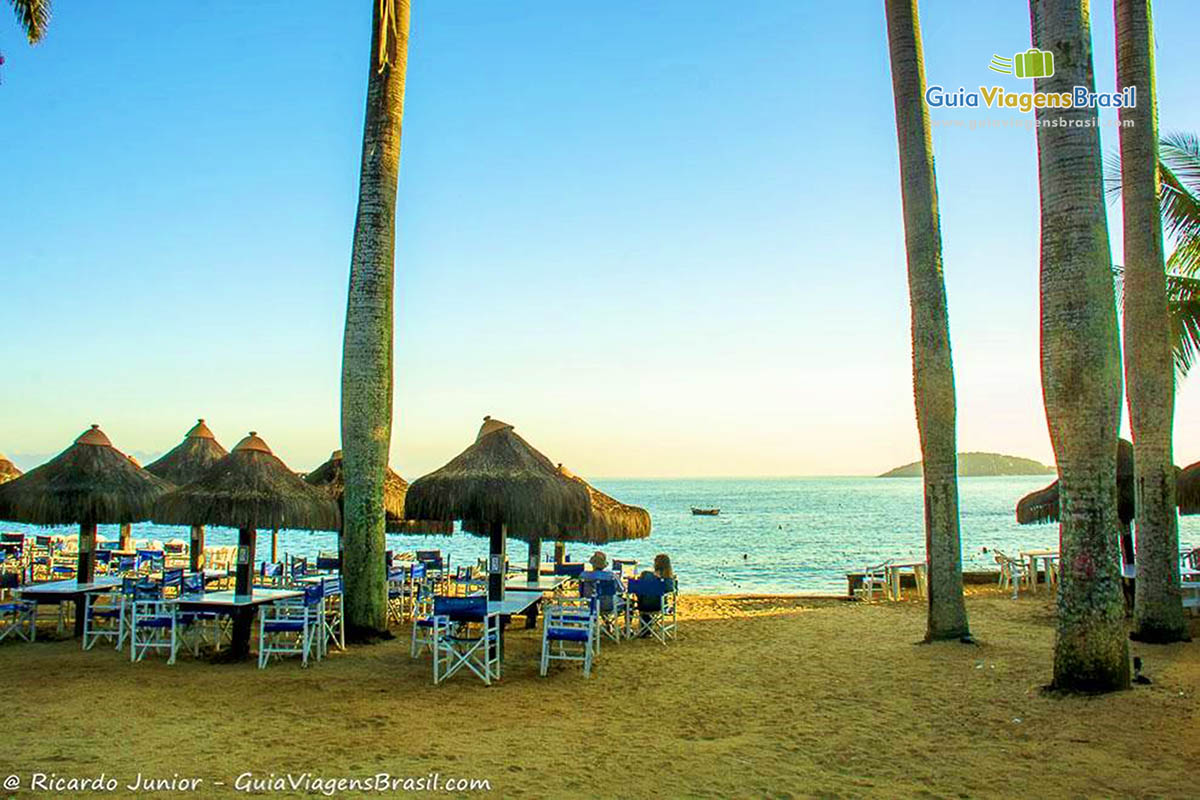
(331, 478)
(611, 520)
(1187, 490)
(191, 458)
(91, 483)
(8, 470)
(500, 478)
(249, 488)
(1042, 506)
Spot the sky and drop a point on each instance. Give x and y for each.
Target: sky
(661, 239)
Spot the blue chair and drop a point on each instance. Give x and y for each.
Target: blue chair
(270, 573)
(466, 635)
(653, 607)
(172, 582)
(151, 561)
(568, 632)
(610, 603)
(18, 618)
(197, 628)
(291, 627)
(571, 570)
(425, 626)
(103, 617)
(328, 562)
(433, 561)
(297, 569)
(124, 565)
(152, 624)
(333, 614)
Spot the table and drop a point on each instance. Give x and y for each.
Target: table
(1047, 556)
(544, 583)
(240, 606)
(65, 591)
(891, 575)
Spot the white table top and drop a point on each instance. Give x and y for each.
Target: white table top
(544, 583)
(513, 602)
(229, 599)
(1042, 553)
(69, 587)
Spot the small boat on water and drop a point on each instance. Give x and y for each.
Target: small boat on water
(705, 512)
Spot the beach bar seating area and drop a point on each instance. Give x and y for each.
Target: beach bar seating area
(164, 599)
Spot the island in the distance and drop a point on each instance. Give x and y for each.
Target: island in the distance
(972, 465)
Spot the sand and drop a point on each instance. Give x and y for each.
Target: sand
(759, 697)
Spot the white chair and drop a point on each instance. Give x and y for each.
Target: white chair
(874, 579)
(292, 627)
(18, 618)
(103, 617)
(466, 636)
(1013, 572)
(333, 616)
(151, 624)
(424, 633)
(568, 632)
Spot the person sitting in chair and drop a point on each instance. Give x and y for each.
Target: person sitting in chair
(599, 572)
(648, 605)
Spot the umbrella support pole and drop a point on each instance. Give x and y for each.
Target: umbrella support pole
(243, 618)
(533, 573)
(497, 546)
(560, 553)
(196, 548)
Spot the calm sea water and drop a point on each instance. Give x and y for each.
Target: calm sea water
(773, 535)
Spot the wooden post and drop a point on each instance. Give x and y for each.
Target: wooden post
(534, 570)
(85, 569)
(498, 539)
(243, 618)
(126, 537)
(560, 553)
(274, 544)
(197, 548)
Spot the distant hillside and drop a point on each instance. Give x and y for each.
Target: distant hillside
(979, 464)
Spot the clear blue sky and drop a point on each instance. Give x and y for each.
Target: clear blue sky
(661, 238)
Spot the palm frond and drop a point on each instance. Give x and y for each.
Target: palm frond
(1179, 170)
(34, 16)
(1183, 298)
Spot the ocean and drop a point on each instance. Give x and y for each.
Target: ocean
(772, 535)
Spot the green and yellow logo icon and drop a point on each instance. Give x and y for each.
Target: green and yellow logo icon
(1033, 63)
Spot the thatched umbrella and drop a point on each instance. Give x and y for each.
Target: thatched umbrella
(1187, 489)
(248, 489)
(185, 463)
(8, 470)
(610, 521)
(499, 483)
(90, 483)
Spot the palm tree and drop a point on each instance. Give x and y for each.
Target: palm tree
(933, 366)
(1080, 361)
(367, 346)
(34, 16)
(1179, 200)
(1150, 379)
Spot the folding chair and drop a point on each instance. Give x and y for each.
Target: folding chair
(333, 617)
(103, 617)
(18, 618)
(297, 569)
(150, 562)
(328, 562)
(198, 628)
(152, 623)
(172, 582)
(655, 600)
(291, 627)
(270, 573)
(610, 604)
(1013, 572)
(425, 626)
(568, 632)
(467, 636)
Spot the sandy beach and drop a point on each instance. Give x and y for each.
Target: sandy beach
(766, 696)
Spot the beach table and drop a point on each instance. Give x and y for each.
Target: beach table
(56, 592)
(235, 605)
(544, 583)
(892, 571)
(1047, 556)
(514, 603)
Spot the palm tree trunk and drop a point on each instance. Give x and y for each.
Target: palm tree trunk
(1149, 366)
(367, 348)
(1080, 361)
(933, 366)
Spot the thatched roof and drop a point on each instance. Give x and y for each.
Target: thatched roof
(90, 482)
(8, 470)
(611, 520)
(1187, 489)
(1042, 505)
(329, 477)
(249, 488)
(191, 458)
(500, 478)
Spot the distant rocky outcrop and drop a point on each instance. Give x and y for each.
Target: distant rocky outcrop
(972, 465)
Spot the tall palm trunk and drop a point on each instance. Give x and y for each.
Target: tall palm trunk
(933, 367)
(367, 348)
(1081, 361)
(1149, 365)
